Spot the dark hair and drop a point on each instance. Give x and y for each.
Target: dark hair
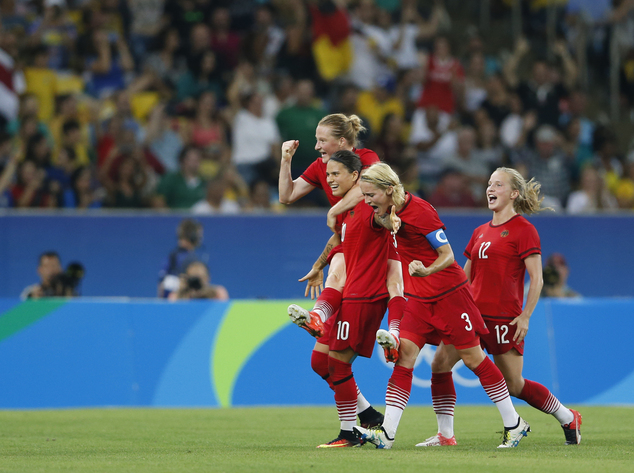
(190, 230)
(350, 160)
(70, 125)
(184, 151)
(48, 254)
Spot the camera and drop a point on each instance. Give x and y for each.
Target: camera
(551, 276)
(65, 283)
(194, 283)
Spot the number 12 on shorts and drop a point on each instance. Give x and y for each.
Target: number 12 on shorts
(501, 331)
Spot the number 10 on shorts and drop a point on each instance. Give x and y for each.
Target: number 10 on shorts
(343, 330)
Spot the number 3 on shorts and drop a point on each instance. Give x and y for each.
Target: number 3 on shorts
(465, 317)
(343, 330)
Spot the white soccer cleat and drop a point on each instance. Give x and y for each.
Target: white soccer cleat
(438, 440)
(309, 321)
(511, 437)
(390, 344)
(375, 436)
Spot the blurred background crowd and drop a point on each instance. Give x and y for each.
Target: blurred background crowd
(184, 104)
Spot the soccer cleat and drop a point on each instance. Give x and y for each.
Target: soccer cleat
(309, 321)
(376, 436)
(511, 437)
(438, 440)
(572, 431)
(341, 442)
(370, 418)
(389, 343)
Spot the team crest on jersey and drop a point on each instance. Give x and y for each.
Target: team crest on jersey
(504, 234)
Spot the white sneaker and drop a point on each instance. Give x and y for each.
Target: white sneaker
(376, 436)
(390, 343)
(309, 321)
(511, 437)
(438, 440)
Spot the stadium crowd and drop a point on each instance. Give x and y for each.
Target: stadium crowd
(184, 104)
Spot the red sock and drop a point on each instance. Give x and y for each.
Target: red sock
(319, 364)
(538, 396)
(492, 380)
(345, 391)
(395, 309)
(399, 387)
(327, 303)
(443, 393)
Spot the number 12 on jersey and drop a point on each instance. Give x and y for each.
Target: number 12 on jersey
(483, 248)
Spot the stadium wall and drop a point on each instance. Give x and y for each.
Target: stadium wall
(90, 352)
(262, 257)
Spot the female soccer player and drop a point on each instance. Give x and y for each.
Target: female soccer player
(439, 304)
(499, 253)
(334, 132)
(373, 275)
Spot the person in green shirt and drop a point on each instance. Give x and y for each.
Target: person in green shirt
(298, 122)
(183, 188)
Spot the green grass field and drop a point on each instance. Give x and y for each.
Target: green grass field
(284, 439)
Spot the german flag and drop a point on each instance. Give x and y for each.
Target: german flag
(332, 47)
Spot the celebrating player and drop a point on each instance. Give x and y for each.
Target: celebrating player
(439, 304)
(499, 253)
(334, 132)
(373, 275)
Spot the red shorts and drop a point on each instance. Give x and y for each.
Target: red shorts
(499, 340)
(356, 325)
(325, 339)
(454, 319)
(333, 252)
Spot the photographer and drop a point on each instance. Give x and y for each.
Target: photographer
(190, 237)
(556, 274)
(53, 281)
(195, 284)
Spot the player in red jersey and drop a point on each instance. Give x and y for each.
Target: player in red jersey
(373, 276)
(334, 132)
(499, 254)
(439, 304)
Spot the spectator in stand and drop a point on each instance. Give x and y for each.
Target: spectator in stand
(264, 41)
(498, 100)
(283, 96)
(164, 138)
(475, 170)
(298, 122)
(444, 78)
(207, 130)
(166, 62)
(182, 189)
(72, 152)
(185, 15)
(540, 92)
(624, 190)
(41, 81)
(377, 103)
(31, 188)
(391, 143)
(39, 151)
(197, 46)
(29, 111)
(256, 142)
(475, 82)
(56, 32)
(225, 42)
(68, 109)
(82, 193)
(592, 194)
(517, 125)
(215, 201)
(578, 110)
(9, 160)
(126, 189)
(261, 199)
(580, 154)
(194, 82)
(147, 22)
(452, 191)
(488, 147)
(606, 158)
(548, 165)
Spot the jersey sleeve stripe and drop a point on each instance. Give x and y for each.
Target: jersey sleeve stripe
(310, 181)
(530, 251)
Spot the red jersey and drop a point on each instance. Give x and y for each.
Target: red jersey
(418, 219)
(315, 174)
(438, 87)
(497, 255)
(366, 249)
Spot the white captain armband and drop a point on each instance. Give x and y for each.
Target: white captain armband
(437, 238)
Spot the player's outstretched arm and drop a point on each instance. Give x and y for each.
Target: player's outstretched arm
(290, 190)
(315, 277)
